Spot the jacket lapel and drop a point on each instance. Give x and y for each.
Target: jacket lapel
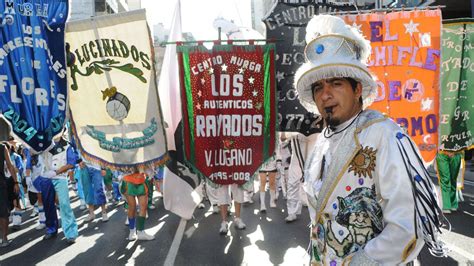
(342, 157)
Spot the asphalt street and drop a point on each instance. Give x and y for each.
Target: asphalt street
(267, 240)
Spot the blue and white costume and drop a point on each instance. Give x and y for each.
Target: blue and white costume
(92, 185)
(51, 183)
(36, 166)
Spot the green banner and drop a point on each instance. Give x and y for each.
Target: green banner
(457, 83)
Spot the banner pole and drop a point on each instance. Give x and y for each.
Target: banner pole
(214, 41)
(383, 10)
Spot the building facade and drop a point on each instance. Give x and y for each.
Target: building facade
(82, 9)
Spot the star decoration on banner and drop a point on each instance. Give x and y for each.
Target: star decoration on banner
(280, 76)
(211, 71)
(203, 80)
(241, 71)
(411, 27)
(426, 104)
(357, 26)
(224, 68)
(198, 106)
(251, 80)
(258, 106)
(199, 93)
(254, 93)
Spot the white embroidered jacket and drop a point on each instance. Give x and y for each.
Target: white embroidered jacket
(362, 203)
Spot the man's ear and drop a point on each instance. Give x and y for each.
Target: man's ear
(358, 90)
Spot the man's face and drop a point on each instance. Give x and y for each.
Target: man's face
(337, 102)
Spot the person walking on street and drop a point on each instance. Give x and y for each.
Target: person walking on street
(134, 186)
(54, 181)
(448, 164)
(5, 206)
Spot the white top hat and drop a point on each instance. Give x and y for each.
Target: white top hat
(334, 49)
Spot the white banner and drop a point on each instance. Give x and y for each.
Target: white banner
(114, 102)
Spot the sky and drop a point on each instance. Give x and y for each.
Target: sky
(198, 15)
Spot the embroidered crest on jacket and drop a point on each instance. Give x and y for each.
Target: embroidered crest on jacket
(361, 215)
(363, 163)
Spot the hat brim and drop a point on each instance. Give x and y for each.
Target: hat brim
(309, 73)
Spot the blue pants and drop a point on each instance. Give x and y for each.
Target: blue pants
(116, 188)
(46, 187)
(93, 186)
(68, 220)
(80, 189)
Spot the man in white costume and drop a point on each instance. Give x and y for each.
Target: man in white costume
(283, 155)
(370, 198)
(301, 146)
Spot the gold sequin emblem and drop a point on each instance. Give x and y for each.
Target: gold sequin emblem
(363, 163)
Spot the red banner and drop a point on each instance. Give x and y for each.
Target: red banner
(229, 112)
(406, 60)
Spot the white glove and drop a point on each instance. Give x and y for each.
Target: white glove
(49, 174)
(29, 182)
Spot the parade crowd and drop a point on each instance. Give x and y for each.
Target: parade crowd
(42, 182)
(369, 196)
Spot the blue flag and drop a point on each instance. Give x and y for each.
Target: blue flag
(33, 88)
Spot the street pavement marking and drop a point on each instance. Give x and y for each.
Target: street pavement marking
(171, 257)
(191, 230)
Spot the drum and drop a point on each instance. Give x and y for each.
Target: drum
(118, 106)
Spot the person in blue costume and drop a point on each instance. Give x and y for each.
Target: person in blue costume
(34, 168)
(93, 189)
(54, 181)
